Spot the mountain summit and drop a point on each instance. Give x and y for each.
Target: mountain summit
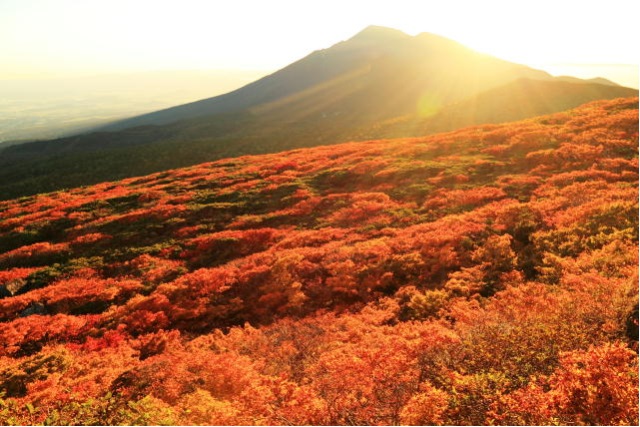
(377, 34)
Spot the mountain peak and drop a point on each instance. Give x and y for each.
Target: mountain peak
(376, 33)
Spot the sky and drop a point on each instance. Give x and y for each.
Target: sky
(82, 37)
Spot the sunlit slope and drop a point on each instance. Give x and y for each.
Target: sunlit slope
(479, 277)
(514, 101)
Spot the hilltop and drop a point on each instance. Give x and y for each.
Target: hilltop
(379, 83)
(482, 276)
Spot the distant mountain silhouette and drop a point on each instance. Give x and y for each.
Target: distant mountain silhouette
(379, 83)
(597, 80)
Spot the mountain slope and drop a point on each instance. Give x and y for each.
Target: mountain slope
(486, 276)
(380, 83)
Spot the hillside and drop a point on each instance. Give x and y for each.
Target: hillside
(380, 83)
(483, 276)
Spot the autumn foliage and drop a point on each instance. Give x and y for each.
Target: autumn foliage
(483, 276)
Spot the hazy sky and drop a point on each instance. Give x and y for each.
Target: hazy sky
(69, 37)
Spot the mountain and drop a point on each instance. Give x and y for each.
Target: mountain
(379, 83)
(487, 276)
(378, 73)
